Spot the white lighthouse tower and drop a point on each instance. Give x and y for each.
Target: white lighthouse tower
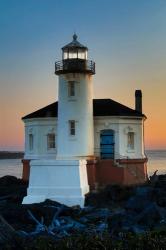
(64, 179)
(75, 103)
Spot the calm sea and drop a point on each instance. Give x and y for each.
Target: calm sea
(156, 161)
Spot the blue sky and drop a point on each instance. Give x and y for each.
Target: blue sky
(126, 39)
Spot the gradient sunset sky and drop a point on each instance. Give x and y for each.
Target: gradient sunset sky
(126, 39)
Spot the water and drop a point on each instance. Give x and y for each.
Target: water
(156, 161)
(11, 167)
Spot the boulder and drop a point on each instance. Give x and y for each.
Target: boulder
(137, 203)
(150, 216)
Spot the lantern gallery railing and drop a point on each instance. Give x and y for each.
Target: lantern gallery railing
(74, 66)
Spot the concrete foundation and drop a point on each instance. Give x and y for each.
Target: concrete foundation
(106, 172)
(64, 181)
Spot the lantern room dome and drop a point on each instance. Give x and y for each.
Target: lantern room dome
(74, 50)
(74, 44)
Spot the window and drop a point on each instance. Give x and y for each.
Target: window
(71, 88)
(130, 140)
(51, 141)
(30, 142)
(72, 127)
(65, 55)
(73, 54)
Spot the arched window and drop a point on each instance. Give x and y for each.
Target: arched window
(50, 141)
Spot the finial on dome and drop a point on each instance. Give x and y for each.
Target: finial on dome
(74, 37)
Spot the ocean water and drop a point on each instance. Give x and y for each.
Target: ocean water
(156, 161)
(11, 167)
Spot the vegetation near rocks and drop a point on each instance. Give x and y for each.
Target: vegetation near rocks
(127, 241)
(114, 218)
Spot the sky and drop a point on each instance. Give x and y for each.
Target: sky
(126, 39)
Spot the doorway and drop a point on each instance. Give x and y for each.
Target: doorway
(107, 144)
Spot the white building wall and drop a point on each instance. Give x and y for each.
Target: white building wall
(135, 126)
(80, 109)
(103, 123)
(40, 127)
(121, 127)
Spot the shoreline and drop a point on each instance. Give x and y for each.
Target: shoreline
(5, 155)
(115, 214)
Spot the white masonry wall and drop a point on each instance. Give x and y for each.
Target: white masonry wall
(49, 179)
(80, 109)
(40, 127)
(121, 127)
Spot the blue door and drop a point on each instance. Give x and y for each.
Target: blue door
(107, 144)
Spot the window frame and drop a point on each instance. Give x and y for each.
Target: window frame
(71, 89)
(72, 127)
(51, 141)
(31, 142)
(131, 140)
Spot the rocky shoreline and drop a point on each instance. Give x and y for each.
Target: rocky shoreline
(113, 218)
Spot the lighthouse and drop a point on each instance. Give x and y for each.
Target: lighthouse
(78, 143)
(75, 105)
(63, 178)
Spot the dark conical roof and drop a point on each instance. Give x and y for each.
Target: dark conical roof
(101, 107)
(74, 44)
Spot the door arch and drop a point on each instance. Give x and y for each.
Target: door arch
(107, 142)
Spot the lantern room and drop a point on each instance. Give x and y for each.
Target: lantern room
(74, 59)
(74, 50)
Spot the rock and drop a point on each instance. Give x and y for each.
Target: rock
(144, 191)
(137, 229)
(150, 216)
(154, 178)
(161, 183)
(137, 203)
(102, 227)
(115, 222)
(108, 196)
(7, 232)
(117, 209)
(161, 198)
(8, 180)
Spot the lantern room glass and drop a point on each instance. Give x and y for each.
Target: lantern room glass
(75, 54)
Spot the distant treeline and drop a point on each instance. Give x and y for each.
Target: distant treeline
(11, 155)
